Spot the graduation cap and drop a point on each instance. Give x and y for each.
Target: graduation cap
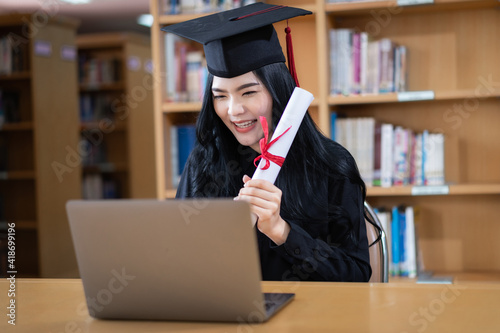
(240, 40)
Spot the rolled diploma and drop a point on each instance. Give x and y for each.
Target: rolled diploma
(292, 116)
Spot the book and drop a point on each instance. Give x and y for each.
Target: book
(386, 155)
(363, 61)
(333, 125)
(181, 146)
(385, 218)
(394, 267)
(400, 68)
(386, 81)
(402, 245)
(389, 155)
(400, 165)
(373, 67)
(10, 101)
(195, 76)
(341, 68)
(170, 66)
(377, 154)
(410, 260)
(174, 156)
(5, 56)
(400, 226)
(360, 64)
(356, 63)
(92, 187)
(186, 71)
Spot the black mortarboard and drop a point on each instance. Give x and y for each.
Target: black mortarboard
(240, 40)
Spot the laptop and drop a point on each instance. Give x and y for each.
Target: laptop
(185, 260)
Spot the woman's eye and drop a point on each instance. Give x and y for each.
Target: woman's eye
(219, 96)
(249, 93)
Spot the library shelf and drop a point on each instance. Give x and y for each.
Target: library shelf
(454, 189)
(457, 277)
(367, 7)
(453, 53)
(172, 107)
(105, 168)
(22, 75)
(25, 225)
(32, 191)
(106, 123)
(20, 126)
(115, 86)
(412, 96)
(115, 90)
(17, 175)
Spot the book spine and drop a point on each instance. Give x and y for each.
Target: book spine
(333, 61)
(377, 155)
(410, 243)
(394, 267)
(174, 155)
(356, 63)
(186, 138)
(403, 251)
(194, 61)
(386, 63)
(363, 63)
(333, 125)
(373, 72)
(387, 160)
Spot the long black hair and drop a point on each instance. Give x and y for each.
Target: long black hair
(313, 159)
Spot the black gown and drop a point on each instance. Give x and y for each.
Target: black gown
(313, 251)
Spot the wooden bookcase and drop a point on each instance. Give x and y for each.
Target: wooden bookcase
(453, 50)
(116, 114)
(39, 174)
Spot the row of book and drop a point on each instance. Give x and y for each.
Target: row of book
(390, 155)
(362, 65)
(182, 141)
(97, 186)
(14, 55)
(95, 71)
(9, 106)
(174, 7)
(94, 107)
(95, 152)
(186, 70)
(400, 224)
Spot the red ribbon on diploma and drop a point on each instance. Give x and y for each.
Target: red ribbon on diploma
(265, 154)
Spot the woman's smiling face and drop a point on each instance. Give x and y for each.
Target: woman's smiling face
(239, 102)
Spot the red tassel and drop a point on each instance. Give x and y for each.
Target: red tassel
(289, 54)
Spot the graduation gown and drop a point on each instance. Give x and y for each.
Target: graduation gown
(313, 251)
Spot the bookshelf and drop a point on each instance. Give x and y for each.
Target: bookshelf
(116, 115)
(35, 178)
(453, 51)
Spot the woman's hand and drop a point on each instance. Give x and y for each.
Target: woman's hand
(265, 202)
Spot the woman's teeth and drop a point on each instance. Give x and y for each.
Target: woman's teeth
(245, 124)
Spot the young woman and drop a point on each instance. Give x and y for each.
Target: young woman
(310, 223)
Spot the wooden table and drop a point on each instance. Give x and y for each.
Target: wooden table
(58, 305)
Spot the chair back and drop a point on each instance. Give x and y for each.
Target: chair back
(377, 242)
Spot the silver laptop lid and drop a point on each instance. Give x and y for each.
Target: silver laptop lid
(168, 260)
